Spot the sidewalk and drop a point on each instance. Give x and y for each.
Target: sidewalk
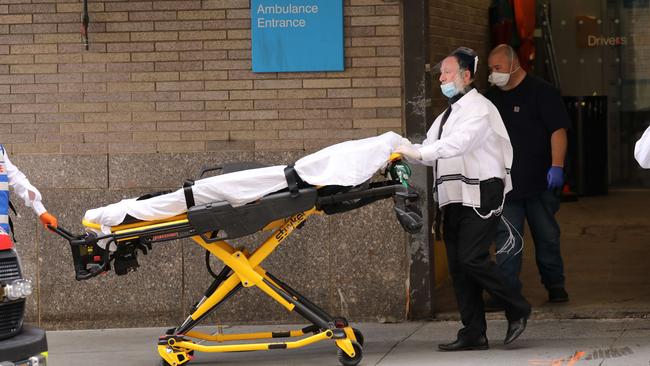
(545, 342)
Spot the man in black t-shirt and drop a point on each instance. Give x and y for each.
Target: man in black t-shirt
(536, 119)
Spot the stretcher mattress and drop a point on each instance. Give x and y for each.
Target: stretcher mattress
(345, 164)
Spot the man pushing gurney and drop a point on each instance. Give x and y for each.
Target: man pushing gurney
(238, 203)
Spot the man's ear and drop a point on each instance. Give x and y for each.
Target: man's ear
(467, 76)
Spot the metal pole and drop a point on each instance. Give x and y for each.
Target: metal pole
(85, 20)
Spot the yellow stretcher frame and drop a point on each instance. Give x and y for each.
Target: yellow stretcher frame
(178, 349)
(244, 270)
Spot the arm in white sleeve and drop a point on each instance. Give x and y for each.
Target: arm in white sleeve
(642, 150)
(22, 187)
(419, 161)
(432, 136)
(466, 136)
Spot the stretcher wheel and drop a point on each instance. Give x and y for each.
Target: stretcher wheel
(346, 360)
(359, 336)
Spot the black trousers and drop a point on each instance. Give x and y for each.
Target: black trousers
(468, 238)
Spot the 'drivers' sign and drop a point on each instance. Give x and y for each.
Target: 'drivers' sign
(298, 35)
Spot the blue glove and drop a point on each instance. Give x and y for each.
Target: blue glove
(555, 177)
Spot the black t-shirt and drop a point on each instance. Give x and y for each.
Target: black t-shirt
(531, 112)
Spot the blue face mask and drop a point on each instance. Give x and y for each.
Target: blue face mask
(449, 89)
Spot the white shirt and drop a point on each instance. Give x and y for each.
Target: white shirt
(22, 187)
(474, 146)
(642, 150)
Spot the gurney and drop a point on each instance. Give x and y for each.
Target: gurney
(211, 225)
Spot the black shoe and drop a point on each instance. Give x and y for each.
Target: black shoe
(480, 343)
(515, 328)
(557, 294)
(492, 304)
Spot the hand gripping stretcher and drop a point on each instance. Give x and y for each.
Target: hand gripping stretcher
(211, 225)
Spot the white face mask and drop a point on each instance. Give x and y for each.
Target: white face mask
(501, 79)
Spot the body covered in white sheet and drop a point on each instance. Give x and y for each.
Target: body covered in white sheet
(346, 164)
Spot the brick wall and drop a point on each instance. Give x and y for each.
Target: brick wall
(453, 24)
(165, 90)
(174, 76)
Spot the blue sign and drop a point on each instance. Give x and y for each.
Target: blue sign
(297, 35)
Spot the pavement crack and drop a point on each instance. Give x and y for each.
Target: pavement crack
(400, 342)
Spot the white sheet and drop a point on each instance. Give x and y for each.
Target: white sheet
(346, 164)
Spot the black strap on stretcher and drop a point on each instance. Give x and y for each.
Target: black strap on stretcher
(189, 195)
(292, 180)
